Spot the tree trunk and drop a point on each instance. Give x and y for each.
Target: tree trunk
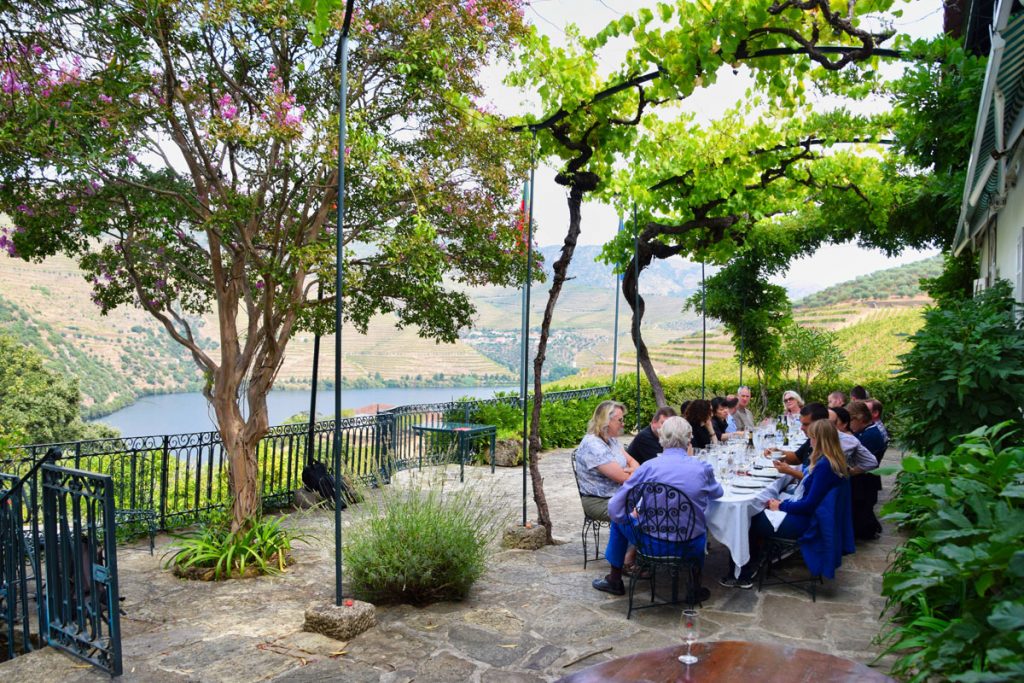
(630, 286)
(579, 183)
(237, 436)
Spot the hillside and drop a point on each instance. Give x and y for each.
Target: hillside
(892, 283)
(115, 358)
(126, 354)
(871, 315)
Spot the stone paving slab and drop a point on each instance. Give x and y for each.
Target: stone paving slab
(532, 617)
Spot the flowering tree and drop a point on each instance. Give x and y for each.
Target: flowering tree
(186, 154)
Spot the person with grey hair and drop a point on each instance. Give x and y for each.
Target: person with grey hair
(743, 418)
(601, 463)
(674, 467)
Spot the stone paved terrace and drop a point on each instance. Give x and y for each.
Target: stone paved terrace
(532, 617)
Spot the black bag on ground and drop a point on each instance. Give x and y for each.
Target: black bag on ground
(316, 478)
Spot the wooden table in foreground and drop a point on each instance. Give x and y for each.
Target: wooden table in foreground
(729, 661)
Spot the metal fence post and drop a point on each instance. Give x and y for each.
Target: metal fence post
(164, 466)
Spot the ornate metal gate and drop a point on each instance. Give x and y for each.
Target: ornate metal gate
(14, 574)
(80, 541)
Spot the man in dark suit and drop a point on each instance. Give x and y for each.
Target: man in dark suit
(645, 444)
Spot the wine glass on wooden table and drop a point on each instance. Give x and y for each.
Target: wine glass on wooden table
(691, 632)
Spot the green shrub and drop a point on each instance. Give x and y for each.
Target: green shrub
(213, 552)
(421, 545)
(955, 591)
(562, 425)
(965, 370)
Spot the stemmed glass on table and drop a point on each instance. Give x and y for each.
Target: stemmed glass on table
(691, 632)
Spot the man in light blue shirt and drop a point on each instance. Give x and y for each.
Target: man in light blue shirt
(674, 467)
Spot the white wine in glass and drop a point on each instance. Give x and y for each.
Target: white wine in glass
(691, 632)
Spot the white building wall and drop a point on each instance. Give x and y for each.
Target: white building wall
(1001, 249)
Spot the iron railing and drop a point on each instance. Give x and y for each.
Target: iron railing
(178, 477)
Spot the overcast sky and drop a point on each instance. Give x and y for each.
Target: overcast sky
(829, 265)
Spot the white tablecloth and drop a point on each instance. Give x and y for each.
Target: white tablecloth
(728, 520)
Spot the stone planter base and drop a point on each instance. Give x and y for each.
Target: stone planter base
(523, 538)
(341, 622)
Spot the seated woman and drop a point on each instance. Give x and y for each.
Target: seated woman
(791, 405)
(826, 470)
(673, 467)
(698, 414)
(601, 463)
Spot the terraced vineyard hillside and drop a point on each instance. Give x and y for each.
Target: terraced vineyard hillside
(872, 335)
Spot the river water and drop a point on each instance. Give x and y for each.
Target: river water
(189, 412)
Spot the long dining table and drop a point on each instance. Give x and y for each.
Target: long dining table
(728, 518)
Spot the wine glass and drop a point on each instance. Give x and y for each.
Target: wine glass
(691, 632)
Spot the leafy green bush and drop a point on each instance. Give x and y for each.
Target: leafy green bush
(965, 370)
(955, 591)
(213, 552)
(421, 545)
(563, 423)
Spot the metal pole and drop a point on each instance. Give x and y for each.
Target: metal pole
(337, 300)
(524, 371)
(312, 393)
(704, 330)
(741, 337)
(615, 336)
(636, 309)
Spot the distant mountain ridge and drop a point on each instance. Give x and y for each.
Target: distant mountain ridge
(673, 277)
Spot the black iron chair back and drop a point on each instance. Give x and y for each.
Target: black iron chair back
(663, 519)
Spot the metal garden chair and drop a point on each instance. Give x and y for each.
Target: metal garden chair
(591, 526)
(659, 512)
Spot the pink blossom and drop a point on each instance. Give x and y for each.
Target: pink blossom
(228, 110)
(37, 50)
(104, 123)
(106, 99)
(369, 28)
(72, 209)
(259, 285)
(9, 83)
(132, 159)
(294, 116)
(7, 244)
(26, 210)
(348, 150)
